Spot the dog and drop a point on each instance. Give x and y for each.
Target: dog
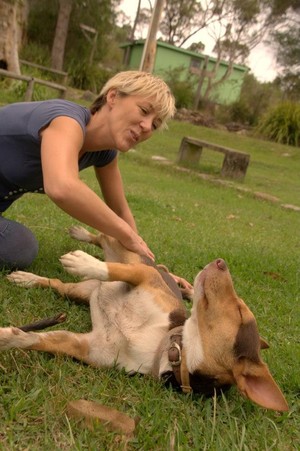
(140, 323)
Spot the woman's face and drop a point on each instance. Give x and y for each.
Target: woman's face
(132, 119)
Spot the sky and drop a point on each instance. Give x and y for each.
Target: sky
(261, 60)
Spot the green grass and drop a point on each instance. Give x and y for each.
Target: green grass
(273, 168)
(187, 222)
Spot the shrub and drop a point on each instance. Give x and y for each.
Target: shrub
(236, 112)
(255, 100)
(86, 76)
(35, 53)
(182, 86)
(282, 124)
(15, 90)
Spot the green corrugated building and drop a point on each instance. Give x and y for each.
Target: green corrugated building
(171, 57)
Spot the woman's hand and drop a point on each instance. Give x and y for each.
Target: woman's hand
(135, 243)
(182, 282)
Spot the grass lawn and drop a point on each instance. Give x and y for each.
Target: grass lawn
(187, 222)
(273, 169)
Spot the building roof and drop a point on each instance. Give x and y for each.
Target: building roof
(184, 51)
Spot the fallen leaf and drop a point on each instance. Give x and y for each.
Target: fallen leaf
(274, 275)
(92, 412)
(231, 217)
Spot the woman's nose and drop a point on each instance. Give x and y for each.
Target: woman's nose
(147, 124)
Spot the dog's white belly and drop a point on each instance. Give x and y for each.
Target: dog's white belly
(127, 327)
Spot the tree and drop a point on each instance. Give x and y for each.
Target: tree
(234, 26)
(61, 33)
(286, 39)
(237, 28)
(12, 20)
(132, 32)
(228, 22)
(97, 14)
(55, 27)
(182, 19)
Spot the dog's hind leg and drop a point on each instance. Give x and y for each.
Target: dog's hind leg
(56, 342)
(79, 292)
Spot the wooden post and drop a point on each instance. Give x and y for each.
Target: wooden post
(29, 91)
(86, 29)
(148, 57)
(31, 81)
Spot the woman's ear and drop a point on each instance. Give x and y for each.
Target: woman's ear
(111, 97)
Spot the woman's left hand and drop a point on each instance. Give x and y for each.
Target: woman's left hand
(182, 282)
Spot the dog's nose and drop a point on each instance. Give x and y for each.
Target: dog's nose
(221, 264)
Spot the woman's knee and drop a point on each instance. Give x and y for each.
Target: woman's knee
(18, 245)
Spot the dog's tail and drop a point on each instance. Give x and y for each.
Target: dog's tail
(44, 323)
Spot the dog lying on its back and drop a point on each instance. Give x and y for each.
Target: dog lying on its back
(140, 323)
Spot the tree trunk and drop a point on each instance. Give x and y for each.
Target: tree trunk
(12, 17)
(61, 33)
(148, 58)
(131, 39)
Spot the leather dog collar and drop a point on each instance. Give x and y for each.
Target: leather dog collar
(177, 360)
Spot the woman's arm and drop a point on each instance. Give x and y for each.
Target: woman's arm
(61, 144)
(111, 184)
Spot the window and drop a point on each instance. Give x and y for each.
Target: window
(196, 65)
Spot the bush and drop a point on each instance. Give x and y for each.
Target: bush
(35, 53)
(86, 76)
(255, 100)
(15, 90)
(181, 85)
(236, 112)
(282, 124)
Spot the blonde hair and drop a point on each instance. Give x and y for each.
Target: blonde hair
(141, 84)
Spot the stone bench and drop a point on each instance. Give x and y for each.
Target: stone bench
(235, 163)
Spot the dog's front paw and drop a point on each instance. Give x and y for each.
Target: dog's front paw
(80, 234)
(24, 279)
(81, 264)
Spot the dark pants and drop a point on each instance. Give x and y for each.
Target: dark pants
(18, 245)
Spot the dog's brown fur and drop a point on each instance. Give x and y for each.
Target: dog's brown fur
(135, 315)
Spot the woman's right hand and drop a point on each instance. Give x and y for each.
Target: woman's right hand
(135, 243)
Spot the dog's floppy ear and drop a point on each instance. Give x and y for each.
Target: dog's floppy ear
(256, 383)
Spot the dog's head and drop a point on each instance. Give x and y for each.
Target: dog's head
(222, 343)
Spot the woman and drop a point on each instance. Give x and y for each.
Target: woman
(44, 145)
